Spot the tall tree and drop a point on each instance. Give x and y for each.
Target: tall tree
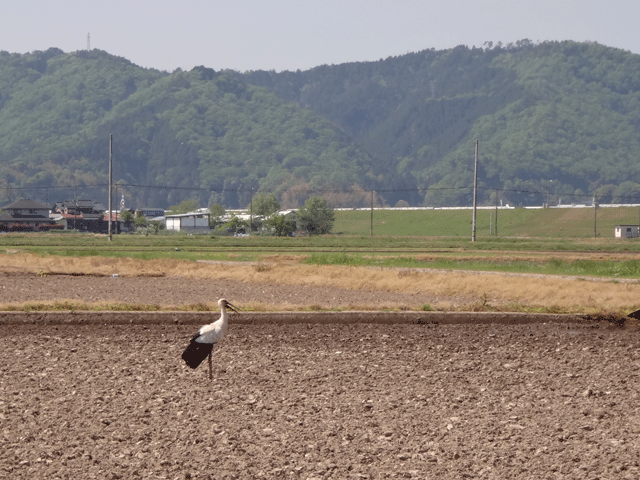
(316, 216)
(265, 204)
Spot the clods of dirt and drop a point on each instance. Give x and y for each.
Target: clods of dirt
(534, 401)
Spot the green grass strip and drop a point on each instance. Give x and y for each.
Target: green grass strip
(614, 269)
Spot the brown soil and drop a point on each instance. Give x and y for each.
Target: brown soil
(179, 291)
(283, 285)
(366, 399)
(339, 401)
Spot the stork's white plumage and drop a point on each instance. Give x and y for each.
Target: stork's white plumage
(203, 342)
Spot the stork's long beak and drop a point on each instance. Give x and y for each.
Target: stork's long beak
(232, 307)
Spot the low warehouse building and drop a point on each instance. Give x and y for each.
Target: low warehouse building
(188, 222)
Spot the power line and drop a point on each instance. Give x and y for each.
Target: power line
(9, 189)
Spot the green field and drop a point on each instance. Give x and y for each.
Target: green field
(519, 222)
(540, 241)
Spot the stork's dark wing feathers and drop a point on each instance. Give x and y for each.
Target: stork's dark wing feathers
(196, 352)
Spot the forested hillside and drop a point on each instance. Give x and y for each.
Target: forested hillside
(554, 120)
(200, 134)
(559, 118)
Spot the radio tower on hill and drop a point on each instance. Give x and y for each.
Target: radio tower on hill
(88, 41)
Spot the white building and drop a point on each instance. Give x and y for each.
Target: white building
(627, 231)
(188, 222)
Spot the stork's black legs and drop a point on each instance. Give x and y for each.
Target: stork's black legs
(210, 368)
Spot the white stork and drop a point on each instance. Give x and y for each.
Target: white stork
(203, 342)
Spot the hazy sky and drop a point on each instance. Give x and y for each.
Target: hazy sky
(300, 34)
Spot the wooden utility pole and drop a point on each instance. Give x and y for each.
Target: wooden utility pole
(475, 195)
(110, 179)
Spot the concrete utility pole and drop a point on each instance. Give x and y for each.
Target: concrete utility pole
(75, 212)
(595, 217)
(110, 179)
(371, 228)
(496, 212)
(475, 196)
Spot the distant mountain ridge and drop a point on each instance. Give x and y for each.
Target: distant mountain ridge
(563, 116)
(557, 119)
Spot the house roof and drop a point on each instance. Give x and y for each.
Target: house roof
(81, 203)
(192, 214)
(22, 203)
(7, 217)
(83, 216)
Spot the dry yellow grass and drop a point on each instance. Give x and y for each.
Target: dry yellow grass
(453, 289)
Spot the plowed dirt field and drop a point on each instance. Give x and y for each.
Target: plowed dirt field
(179, 291)
(371, 401)
(310, 400)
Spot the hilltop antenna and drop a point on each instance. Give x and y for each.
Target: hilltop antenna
(88, 41)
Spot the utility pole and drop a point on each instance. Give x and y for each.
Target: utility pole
(595, 217)
(371, 230)
(475, 195)
(75, 212)
(110, 179)
(496, 212)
